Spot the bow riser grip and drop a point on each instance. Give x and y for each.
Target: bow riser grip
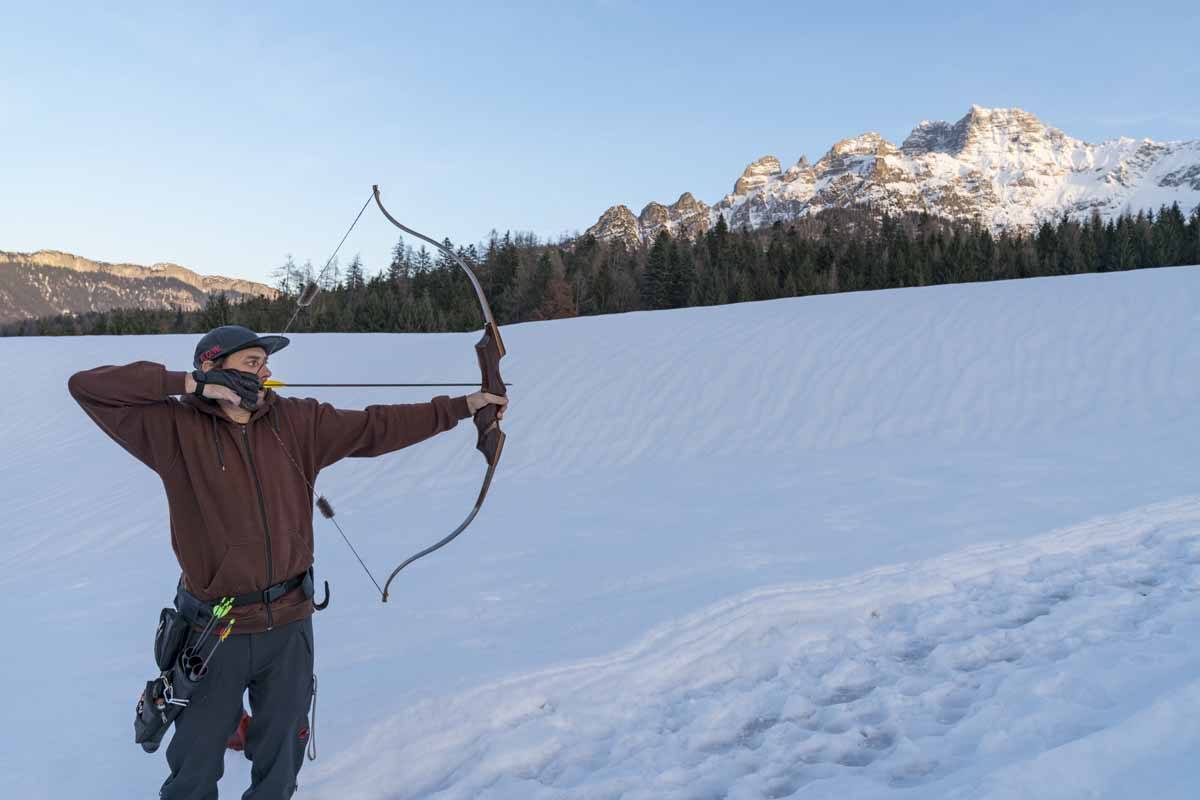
(489, 351)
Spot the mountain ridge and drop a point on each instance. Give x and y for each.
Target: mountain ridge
(48, 282)
(1001, 167)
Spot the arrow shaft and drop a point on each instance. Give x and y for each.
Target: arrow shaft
(280, 385)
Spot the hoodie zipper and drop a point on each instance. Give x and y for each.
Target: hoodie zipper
(262, 506)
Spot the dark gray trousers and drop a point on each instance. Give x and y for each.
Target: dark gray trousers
(277, 668)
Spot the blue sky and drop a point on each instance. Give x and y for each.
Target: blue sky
(224, 139)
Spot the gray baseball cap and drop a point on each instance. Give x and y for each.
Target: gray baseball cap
(220, 342)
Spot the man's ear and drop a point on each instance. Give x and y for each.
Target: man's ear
(207, 366)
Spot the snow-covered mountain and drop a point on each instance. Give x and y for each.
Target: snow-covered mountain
(50, 282)
(1002, 167)
(920, 543)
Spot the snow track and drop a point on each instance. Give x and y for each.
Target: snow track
(925, 675)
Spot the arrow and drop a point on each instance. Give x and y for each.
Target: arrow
(200, 673)
(274, 384)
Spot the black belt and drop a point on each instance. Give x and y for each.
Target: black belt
(273, 593)
(199, 612)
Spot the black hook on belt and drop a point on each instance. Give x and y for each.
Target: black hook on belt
(321, 605)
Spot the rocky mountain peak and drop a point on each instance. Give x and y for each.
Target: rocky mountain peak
(858, 155)
(687, 217)
(798, 171)
(757, 174)
(687, 205)
(619, 223)
(1004, 129)
(654, 214)
(930, 136)
(982, 130)
(867, 144)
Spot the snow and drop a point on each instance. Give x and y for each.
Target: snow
(925, 543)
(903, 677)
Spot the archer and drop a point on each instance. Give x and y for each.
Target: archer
(238, 464)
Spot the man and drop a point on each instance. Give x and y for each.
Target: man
(238, 465)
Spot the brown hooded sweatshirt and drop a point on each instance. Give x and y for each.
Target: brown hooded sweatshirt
(241, 513)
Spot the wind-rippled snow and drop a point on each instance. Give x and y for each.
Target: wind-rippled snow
(935, 542)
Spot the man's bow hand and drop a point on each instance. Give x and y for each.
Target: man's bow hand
(477, 401)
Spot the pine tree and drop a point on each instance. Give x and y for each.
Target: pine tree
(286, 275)
(1047, 245)
(1127, 255)
(397, 270)
(1168, 237)
(656, 275)
(422, 262)
(681, 275)
(215, 314)
(1192, 249)
(532, 287)
(354, 275)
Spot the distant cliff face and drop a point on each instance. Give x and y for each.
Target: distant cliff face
(1001, 167)
(49, 282)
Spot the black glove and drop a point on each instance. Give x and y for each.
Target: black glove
(244, 383)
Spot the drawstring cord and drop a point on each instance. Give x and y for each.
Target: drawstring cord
(312, 724)
(217, 442)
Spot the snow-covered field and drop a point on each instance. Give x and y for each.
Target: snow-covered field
(925, 543)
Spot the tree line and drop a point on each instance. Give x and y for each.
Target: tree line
(836, 250)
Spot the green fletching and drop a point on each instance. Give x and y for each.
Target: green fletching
(223, 608)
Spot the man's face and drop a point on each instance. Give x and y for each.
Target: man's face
(252, 360)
